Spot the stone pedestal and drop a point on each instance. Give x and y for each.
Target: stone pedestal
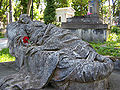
(89, 28)
(55, 59)
(97, 85)
(10, 68)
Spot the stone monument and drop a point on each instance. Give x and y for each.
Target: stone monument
(88, 27)
(51, 58)
(93, 7)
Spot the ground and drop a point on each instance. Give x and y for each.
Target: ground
(3, 43)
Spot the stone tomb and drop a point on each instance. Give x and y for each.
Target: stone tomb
(51, 58)
(89, 28)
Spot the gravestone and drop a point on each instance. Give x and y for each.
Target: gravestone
(89, 27)
(51, 58)
(93, 7)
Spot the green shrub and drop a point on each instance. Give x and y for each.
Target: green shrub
(118, 38)
(107, 48)
(112, 37)
(115, 29)
(5, 56)
(50, 12)
(1, 35)
(58, 24)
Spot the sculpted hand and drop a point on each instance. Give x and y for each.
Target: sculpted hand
(31, 50)
(103, 58)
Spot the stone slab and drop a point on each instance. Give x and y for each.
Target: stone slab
(9, 68)
(83, 26)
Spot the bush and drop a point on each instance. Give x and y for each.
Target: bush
(107, 48)
(115, 29)
(115, 34)
(112, 37)
(58, 24)
(5, 56)
(50, 12)
(1, 35)
(118, 39)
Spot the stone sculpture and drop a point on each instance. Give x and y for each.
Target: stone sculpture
(53, 56)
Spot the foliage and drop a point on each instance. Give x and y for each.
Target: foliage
(107, 48)
(80, 6)
(1, 35)
(37, 2)
(4, 4)
(118, 39)
(50, 12)
(115, 7)
(115, 29)
(36, 12)
(61, 3)
(5, 56)
(112, 37)
(103, 8)
(58, 24)
(105, 13)
(115, 34)
(24, 6)
(17, 10)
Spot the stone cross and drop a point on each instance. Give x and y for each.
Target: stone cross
(93, 7)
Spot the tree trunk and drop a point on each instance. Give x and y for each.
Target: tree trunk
(109, 11)
(0, 4)
(10, 13)
(29, 7)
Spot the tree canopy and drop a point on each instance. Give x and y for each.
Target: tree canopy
(80, 6)
(4, 4)
(50, 12)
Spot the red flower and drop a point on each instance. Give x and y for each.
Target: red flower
(25, 39)
(89, 13)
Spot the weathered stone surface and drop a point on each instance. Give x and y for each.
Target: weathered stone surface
(91, 35)
(8, 68)
(53, 57)
(89, 28)
(117, 64)
(84, 22)
(113, 81)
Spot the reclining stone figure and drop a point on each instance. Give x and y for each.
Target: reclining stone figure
(52, 56)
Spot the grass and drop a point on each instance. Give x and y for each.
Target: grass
(5, 55)
(107, 48)
(2, 35)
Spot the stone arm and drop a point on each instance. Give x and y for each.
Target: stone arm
(15, 34)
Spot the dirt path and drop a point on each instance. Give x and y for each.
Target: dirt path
(7, 69)
(3, 43)
(114, 80)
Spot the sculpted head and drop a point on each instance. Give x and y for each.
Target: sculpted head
(24, 18)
